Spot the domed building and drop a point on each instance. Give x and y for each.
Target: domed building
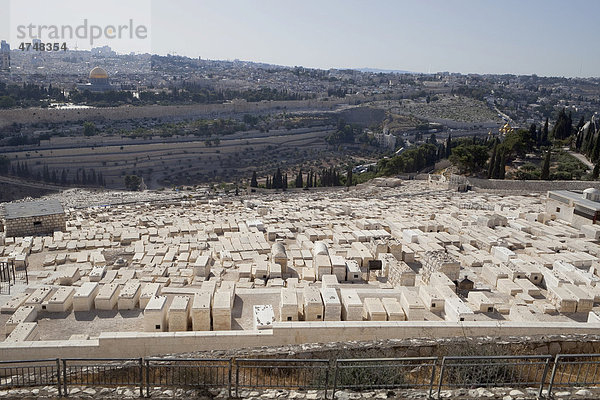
(98, 81)
(98, 76)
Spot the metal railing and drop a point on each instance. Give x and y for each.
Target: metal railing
(431, 374)
(580, 370)
(103, 372)
(7, 276)
(30, 373)
(384, 373)
(264, 373)
(194, 373)
(493, 371)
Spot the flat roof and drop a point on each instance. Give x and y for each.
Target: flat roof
(37, 208)
(577, 199)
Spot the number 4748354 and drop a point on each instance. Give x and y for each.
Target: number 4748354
(39, 46)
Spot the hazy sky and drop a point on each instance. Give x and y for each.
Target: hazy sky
(544, 37)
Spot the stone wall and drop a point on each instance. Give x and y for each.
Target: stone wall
(35, 225)
(144, 344)
(531, 186)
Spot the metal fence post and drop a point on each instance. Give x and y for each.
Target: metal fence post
(237, 377)
(432, 378)
(58, 380)
(64, 370)
(554, 367)
(141, 375)
(329, 364)
(147, 378)
(229, 376)
(335, 378)
(440, 382)
(544, 377)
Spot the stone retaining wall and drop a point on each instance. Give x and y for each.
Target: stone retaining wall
(531, 186)
(142, 344)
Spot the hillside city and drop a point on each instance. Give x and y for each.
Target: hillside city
(174, 226)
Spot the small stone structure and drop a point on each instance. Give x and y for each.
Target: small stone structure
(34, 218)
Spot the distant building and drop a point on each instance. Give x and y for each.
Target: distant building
(103, 51)
(386, 140)
(576, 208)
(98, 81)
(34, 218)
(4, 56)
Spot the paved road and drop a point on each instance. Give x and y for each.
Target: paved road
(582, 158)
(26, 183)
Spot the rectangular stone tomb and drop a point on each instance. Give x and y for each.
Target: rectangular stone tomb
(373, 310)
(221, 311)
(97, 273)
(149, 291)
(107, 297)
(332, 304)
(353, 273)
(155, 315)
(23, 314)
(24, 332)
(263, 316)
(68, 275)
(352, 306)
(202, 266)
(457, 310)
(313, 305)
(85, 295)
(14, 303)
(414, 310)
(288, 305)
(129, 295)
(201, 311)
(179, 314)
(38, 297)
(393, 309)
(61, 300)
(338, 267)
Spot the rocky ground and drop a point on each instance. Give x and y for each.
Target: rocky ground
(51, 392)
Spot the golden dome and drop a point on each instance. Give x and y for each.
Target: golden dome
(98, 73)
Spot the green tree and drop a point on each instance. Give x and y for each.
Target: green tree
(254, 180)
(595, 154)
(470, 158)
(492, 160)
(545, 175)
(89, 128)
(349, 177)
(132, 182)
(563, 127)
(502, 172)
(7, 102)
(299, 180)
(544, 138)
(449, 146)
(4, 164)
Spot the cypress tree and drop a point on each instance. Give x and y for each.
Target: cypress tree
(596, 149)
(349, 177)
(503, 165)
(596, 170)
(545, 133)
(254, 180)
(492, 161)
(545, 175)
(449, 145)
